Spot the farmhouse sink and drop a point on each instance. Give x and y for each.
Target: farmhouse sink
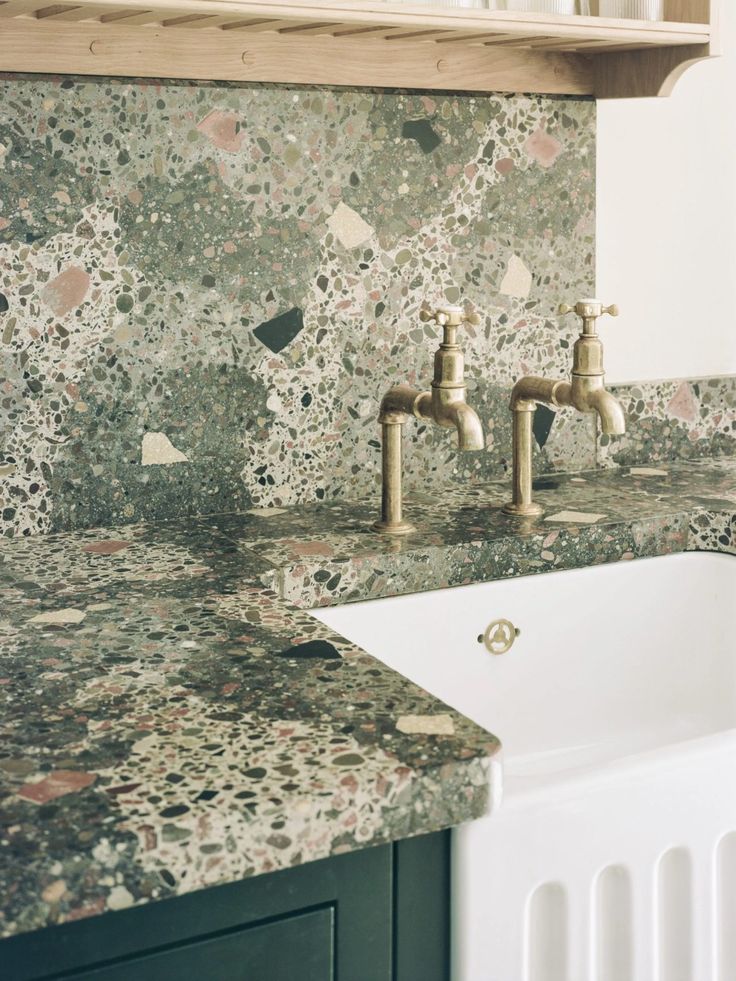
(613, 692)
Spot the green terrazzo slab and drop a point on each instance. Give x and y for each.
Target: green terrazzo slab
(173, 719)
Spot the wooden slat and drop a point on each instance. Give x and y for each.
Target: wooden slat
(590, 47)
(137, 19)
(308, 29)
(226, 22)
(415, 17)
(90, 49)
(212, 21)
(354, 31)
(516, 41)
(115, 15)
(54, 9)
(21, 8)
(184, 20)
(552, 43)
(264, 23)
(459, 38)
(78, 13)
(269, 25)
(403, 35)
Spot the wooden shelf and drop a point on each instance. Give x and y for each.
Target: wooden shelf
(357, 42)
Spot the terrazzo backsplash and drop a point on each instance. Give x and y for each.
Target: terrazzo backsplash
(679, 419)
(205, 291)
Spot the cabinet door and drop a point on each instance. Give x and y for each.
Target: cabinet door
(378, 914)
(301, 946)
(330, 920)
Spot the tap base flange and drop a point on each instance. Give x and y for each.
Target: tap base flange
(523, 510)
(394, 527)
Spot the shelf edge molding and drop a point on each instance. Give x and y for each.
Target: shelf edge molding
(270, 57)
(452, 50)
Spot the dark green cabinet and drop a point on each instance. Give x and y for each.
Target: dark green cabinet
(381, 914)
(291, 947)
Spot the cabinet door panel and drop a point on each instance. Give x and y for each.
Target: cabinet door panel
(376, 914)
(298, 947)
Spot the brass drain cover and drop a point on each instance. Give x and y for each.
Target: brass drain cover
(499, 636)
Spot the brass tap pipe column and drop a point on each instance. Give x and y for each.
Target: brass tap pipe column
(586, 392)
(392, 501)
(527, 394)
(444, 405)
(392, 497)
(397, 406)
(521, 493)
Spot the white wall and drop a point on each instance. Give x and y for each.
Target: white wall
(667, 224)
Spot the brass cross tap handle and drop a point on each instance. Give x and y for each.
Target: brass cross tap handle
(590, 311)
(452, 316)
(449, 318)
(589, 308)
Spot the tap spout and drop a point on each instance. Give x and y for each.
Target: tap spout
(585, 392)
(468, 425)
(610, 412)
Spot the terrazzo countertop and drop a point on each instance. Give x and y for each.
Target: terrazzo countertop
(172, 719)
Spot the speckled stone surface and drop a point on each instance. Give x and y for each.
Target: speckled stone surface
(173, 719)
(677, 419)
(236, 271)
(325, 555)
(168, 723)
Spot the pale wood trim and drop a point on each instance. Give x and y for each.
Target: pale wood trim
(359, 42)
(633, 74)
(90, 50)
(693, 11)
(715, 8)
(412, 16)
(636, 74)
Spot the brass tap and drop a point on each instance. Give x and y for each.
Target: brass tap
(586, 392)
(444, 404)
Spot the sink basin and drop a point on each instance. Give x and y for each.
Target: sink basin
(613, 856)
(609, 662)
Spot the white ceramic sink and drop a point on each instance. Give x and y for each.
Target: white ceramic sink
(610, 661)
(613, 855)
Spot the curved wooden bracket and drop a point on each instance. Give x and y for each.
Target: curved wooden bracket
(637, 74)
(655, 72)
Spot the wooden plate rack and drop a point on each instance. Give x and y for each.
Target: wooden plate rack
(359, 42)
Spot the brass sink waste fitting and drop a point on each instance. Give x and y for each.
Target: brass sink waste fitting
(444, 404)
(586, 392)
